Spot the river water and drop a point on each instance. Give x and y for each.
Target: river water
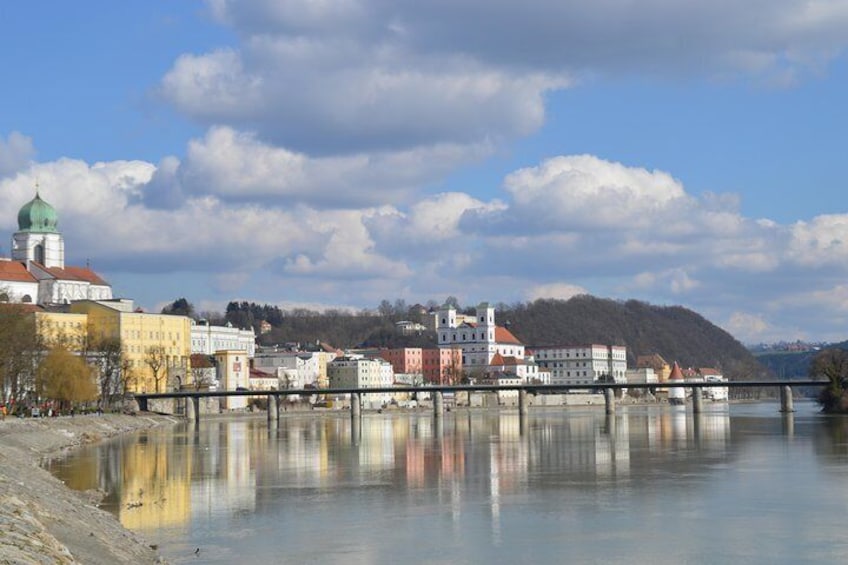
(740, 483)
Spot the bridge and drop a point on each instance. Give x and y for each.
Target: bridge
(192, 398)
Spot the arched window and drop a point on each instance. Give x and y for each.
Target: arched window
(27, 299)
(39, 253)
(4, 297)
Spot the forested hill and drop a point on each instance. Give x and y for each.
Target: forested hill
(676, 333)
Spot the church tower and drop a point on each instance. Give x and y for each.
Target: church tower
(37, 239)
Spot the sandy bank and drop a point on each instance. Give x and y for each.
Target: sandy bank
(41, 520)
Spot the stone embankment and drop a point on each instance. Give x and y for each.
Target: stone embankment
(43, 521)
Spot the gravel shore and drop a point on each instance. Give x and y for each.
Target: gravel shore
(43, 521)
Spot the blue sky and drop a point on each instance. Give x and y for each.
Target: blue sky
(337, 153)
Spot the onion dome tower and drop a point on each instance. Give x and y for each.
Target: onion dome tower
(37, 239)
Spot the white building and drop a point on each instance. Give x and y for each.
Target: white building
(479, 340)
(358, 372)
(296, 369)
(583, 364)
(36, 273)
(206, 339)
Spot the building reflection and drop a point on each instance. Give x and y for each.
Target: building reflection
(228, 467)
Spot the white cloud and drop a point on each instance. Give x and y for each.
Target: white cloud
(561, 291)
(576, 192)
(236, 166)
(705, 255)
(335, 96)
(750, 328)
(16, 152)
(821, 242)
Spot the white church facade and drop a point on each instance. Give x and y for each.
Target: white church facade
(36, 272)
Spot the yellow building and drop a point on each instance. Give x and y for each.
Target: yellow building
(62, 328)
(157, 347)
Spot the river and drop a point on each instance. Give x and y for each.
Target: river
(740, 483)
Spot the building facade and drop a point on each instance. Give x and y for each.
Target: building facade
(360, 372)
(208, 339)
(584, 364)
(156, 347)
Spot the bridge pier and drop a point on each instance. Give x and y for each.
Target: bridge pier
(192, 409)
(273, 410)
(522, 403)
(355, 406)
(697, 399)
(609, 400)
(438, 404)
(786, 402)
(188, 408)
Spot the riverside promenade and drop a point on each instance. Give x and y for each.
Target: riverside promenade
(42, 520)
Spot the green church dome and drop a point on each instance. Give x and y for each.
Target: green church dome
(37, 216)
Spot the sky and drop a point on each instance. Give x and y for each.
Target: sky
(318, 153)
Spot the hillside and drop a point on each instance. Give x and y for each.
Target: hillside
(676, 333)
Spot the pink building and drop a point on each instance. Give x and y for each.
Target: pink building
(437, 366)
(404, 360)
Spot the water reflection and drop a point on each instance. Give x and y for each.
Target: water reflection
(469, 478)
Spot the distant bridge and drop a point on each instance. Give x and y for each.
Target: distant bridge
(192, 398)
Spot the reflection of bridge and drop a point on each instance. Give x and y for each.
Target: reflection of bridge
(192, 398)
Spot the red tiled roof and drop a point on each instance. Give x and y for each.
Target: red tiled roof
(201, 361)
(497, 359)
(257, 374)
(76, 274)
(15, 271)
(503, 335)
(676, 373)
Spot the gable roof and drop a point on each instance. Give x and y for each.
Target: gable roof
(503, 335)
(15, 271)
(71, 273)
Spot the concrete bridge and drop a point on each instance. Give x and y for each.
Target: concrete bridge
(192, 398)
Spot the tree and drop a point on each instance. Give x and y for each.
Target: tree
(385, 309)
(20, 350)
(155, 358)
(833, 365)
(180, 307)
(66, 378)
(202, 371)
(108, 354)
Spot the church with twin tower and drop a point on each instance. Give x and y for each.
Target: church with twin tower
(36, 272)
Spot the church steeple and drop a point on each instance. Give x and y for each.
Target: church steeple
(38, 239)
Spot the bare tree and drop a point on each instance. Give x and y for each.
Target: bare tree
(202, 371)
(156, 359)
(107, 354)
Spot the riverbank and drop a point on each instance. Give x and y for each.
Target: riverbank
(43, 521)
